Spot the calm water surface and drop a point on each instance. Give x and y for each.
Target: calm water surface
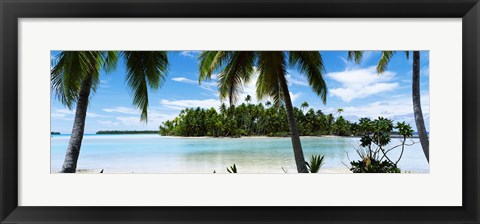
(159, 154)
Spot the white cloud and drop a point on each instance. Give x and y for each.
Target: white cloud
(214, 77)
(94, 115)
(297, 81)
(185, 80)
(367, 55)
(425, 71)
(155, 118)
(295, 96)
(104, 83)
(66, 114)
(62, 114)
(388, 108)
(361, 83)
(348, 94)
(190, 54)
(351, 64)
(398, 108)
(109, 123)
(249, 88)
(57, 115)
(181, 104)
(64, 111)
(129, 121)
(122, 110)
(207, 85)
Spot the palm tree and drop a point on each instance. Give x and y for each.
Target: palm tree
(339, 111)
(248, 98)
(304, 106)
(268, 103)
(76, 73)
(417, 108)
(223, 108)
(238, 67)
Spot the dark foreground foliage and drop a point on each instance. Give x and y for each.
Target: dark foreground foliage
(373, 151)
(374, 166)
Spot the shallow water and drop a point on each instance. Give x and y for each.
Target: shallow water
(159, 154)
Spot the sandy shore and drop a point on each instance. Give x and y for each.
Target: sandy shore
(95, 171)
(252, 137)
(340, 170)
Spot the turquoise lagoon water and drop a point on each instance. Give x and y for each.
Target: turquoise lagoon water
(161, 154)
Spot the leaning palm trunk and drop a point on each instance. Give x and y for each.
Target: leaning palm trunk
(73, 150)
(417, 109)
(238, 67)
(144, 69)
(292, 124)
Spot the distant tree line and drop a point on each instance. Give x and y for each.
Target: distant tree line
(54, 133)
(255, 120)
(118, 132)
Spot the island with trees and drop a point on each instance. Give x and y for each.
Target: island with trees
(260, 119)
(255, 120)
(76, 74)
(126, 132)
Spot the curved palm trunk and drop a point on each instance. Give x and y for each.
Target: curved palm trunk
(417, 109)
(73, 150)
(297, 145)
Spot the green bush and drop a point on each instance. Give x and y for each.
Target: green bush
(375, 136)
(232, 169)
(374, 166)
(316, 162)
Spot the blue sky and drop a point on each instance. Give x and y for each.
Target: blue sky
(358, 89)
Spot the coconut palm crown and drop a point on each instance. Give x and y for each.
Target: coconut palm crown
(417, 108)
(76, 73)
(239, 67)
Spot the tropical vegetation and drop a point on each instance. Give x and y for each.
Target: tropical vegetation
(119, 132)
(235, 68)
(316, 162)
(232, 169)
(376, 135)
(75, 74)
(417, 108)
(249, 119)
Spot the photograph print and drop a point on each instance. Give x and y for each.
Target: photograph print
(234, 112)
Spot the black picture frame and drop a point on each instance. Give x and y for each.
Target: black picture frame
(11, 11)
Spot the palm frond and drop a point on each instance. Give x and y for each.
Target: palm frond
(69, 71)
(271, 66)
(109, 60)
(210, 61)
(106, 60)
(232, 169)
(356, 55)
(311, 65)
(384, 60)
(145, 69)
(316, 162)
(238, 71)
